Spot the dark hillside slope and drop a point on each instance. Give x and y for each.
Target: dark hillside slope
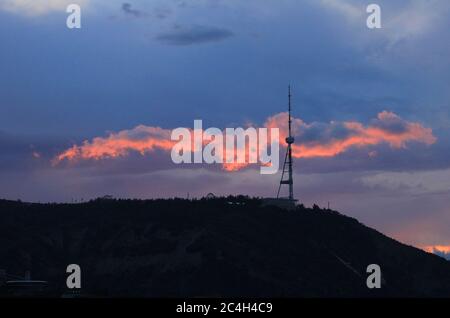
(217, 247)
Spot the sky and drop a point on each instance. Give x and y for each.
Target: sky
(88, 112)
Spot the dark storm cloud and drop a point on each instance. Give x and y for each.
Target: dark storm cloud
(19, 153)
(323, 132)
(127, 8)
(183, 36)
(159, 12)
(134, 164)
(416, 157)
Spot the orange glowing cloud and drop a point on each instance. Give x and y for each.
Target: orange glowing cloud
(141, 139)
(328, 140)
(437, 249)
(311, 140)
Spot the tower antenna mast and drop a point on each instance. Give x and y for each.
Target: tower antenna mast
(287, 167)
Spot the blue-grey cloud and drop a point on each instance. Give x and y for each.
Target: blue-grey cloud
(184, 36)
(162, 13)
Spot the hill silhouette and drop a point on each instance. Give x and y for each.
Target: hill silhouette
(210, 247)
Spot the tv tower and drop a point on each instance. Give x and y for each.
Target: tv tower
(287, 167)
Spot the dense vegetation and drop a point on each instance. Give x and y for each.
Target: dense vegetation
(210, 247)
